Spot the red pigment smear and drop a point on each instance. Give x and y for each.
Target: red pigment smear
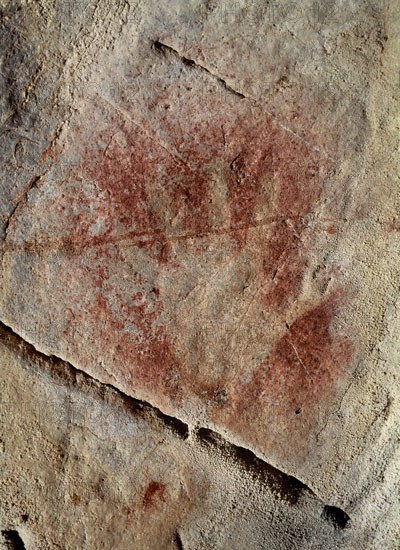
(146, 350)
(394, 226)
(132, 172)
(253, 154)
(154, 494)
(302, 368)
(270, 154)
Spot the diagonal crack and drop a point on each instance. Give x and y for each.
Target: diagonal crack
(164, 48)
(136, 237)
(286, 486)
(21, 200)
(179, 427)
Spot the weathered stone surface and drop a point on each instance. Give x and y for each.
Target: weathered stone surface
(200, 205)
(89, 468)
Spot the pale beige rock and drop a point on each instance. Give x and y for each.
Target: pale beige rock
(89, 468)
(200, 208)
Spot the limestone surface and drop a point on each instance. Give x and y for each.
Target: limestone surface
(199, 279)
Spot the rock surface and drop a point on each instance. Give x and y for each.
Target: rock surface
(200, 265)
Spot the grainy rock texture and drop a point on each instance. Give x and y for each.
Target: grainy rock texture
(199, 283)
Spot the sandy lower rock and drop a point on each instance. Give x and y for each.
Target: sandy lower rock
(90, 468)
(200, 209)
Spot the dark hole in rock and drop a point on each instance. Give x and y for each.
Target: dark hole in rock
(335, 515)
(12, 540)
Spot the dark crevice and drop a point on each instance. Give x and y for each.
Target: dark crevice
(287, 487)
(71, 374)
(235, 169)
(163, 48)
(178, 541)
(336, 516)
(176, 425)
(13, 540)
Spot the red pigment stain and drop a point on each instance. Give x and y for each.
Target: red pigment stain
(154, 494)
(301, 369)
(159, 191)
(284, 263)
(330, 229)
(148, 349)
(394, 226)
(136, 168)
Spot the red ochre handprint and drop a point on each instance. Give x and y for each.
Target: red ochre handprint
(193, 238)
